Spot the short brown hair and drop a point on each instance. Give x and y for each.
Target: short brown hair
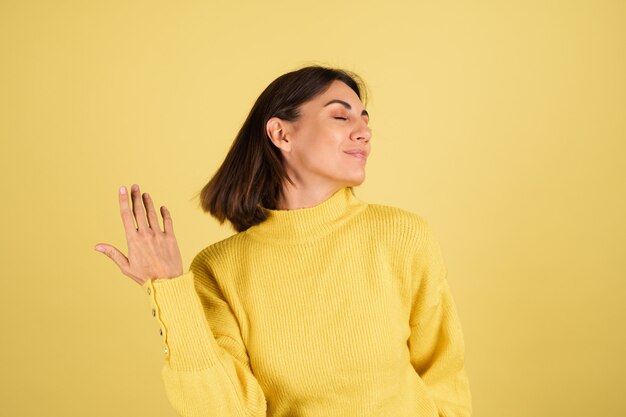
(252, 175)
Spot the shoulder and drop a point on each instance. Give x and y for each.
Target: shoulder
(395, 214)
(401, 224)
(412, 235)
(213, 252)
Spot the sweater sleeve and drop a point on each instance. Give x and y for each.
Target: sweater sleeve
(436, 342)
(206, 371)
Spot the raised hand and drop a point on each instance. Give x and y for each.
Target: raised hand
(152, 253)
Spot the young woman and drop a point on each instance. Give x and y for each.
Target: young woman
(321, 304)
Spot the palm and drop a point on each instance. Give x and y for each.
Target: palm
(152, 253)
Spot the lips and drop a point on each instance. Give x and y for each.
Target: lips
(357, 153)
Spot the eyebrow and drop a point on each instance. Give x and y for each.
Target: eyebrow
(347, 106)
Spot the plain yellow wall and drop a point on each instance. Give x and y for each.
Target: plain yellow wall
(503, 123)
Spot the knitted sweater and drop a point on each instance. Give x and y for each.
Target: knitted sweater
(341, 309)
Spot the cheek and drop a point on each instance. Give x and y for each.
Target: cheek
(321, 146)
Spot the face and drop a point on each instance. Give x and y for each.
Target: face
(330, 142)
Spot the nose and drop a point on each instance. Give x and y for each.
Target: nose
(362, 132)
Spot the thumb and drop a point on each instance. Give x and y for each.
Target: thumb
(118, 257)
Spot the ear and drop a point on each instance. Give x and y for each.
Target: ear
(277, 132)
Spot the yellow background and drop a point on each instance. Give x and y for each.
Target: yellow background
(503, 123)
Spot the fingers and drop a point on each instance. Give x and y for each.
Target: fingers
(138, 214)
(167, 221)
(118, 257)
(153, 220)
(138, 210)
(127, 216)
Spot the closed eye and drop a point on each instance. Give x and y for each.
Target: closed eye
(341, 118)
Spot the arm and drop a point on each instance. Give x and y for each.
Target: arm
(436, 342)
(206, 371)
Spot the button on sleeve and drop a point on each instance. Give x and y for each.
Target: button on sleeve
(156, 312)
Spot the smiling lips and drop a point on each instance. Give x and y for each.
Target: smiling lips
(357, 153)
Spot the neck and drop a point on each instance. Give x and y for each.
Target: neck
(298, 196)
(303, 224)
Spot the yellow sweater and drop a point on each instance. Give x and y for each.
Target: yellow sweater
(341, 309)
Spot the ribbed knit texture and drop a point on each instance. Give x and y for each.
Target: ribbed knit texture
(341, 309)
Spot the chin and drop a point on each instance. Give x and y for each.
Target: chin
(353, 182)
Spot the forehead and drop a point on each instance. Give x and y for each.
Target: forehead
(337, 90)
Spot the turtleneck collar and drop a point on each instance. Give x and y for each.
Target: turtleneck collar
(303, 224)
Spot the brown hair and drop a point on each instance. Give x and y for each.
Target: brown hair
(252, 174)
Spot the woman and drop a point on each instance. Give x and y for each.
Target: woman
(321, 304)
